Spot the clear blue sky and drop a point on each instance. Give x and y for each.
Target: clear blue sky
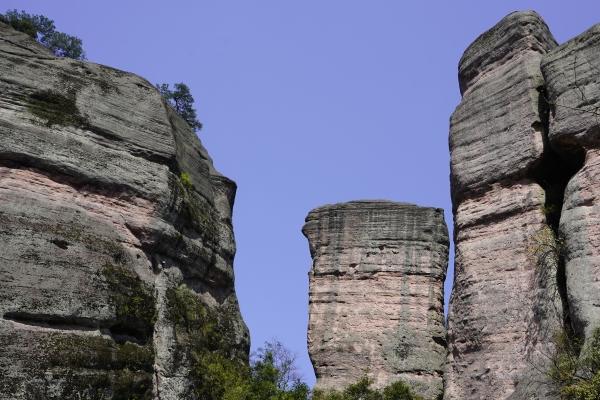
(305, 103)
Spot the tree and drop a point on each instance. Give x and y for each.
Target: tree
(42, 29)
(274, 374)
(182, 101)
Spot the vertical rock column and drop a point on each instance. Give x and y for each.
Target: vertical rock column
(503, 303)
(376, 294)
(572, 74)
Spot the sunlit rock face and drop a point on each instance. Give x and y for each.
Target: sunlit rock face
(376, 294)
(504, 306)
(100, 235)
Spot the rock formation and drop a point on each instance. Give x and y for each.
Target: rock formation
(112, 221)
(497, 147)
(572, 74)
(525, 214)
(376, 294)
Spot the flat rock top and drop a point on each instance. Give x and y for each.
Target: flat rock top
(517, 32)
(362, 222)
(368, 205)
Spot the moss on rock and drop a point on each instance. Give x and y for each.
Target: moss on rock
(134, 302)
(195, 211)
(207, 337)
(55, 108)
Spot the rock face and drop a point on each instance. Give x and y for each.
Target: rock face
(112, 220)
(525, 170)
(503, 305)
(376, 294)
(573, 85)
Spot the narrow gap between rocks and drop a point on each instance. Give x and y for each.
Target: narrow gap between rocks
(553, 174)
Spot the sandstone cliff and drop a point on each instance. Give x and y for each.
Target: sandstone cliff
(112, 265)
(525, 211)
(376, 294)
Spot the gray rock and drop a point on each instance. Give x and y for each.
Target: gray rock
(571, 73)
(496, 130)
(504, 305)
(98, 231)
(376, 294)
(573, 85)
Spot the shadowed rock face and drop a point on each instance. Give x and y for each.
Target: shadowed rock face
(572, 73)
(504, 305)
(97, 231)
(376, 294)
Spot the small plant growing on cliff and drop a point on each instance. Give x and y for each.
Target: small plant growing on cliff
(575, 369)
(186, 181)
(180, 98)
(43, 30)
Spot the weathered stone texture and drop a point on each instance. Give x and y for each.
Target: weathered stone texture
(496, 130)
(376, 294)
(96, 227)
(572, 74)
(503, 306)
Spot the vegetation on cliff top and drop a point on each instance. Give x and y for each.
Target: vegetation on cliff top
(182, 101)
(42, 29)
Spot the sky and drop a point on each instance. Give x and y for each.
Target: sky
(305, 103)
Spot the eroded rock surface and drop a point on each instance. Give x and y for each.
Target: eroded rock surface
(376, 294)
(504, 305)
(100, 238)
(572, 73)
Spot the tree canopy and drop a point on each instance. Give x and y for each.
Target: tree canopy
(42, 29)
(180, 98)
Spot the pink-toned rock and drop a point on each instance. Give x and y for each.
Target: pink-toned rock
(98, 232)
(504, 304)
(376, 294)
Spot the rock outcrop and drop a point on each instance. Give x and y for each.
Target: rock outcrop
(502, 304)
(572, 74)
(525, 167)
(376, 294)
(112, 221)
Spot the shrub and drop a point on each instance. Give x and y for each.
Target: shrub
(186, 180)
(362, 391)
(575, 369)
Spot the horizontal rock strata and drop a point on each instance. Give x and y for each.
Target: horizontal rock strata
(504, 303)
(99, 235)
(572, 73)
(376, 294)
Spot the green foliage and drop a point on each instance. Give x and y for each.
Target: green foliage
(362, 391)
(186, 181)
(208, 336)
(43, 30)
(575, 369)
(182, 102)
(63, 45)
